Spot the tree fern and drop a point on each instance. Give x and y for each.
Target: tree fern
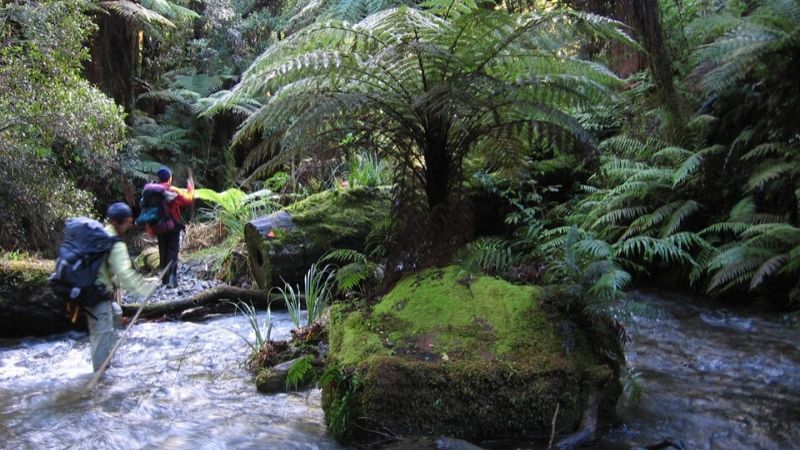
(399, 69)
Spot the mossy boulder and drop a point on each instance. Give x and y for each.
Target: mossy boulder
(27, 306)
(284, 244)
(447, 354)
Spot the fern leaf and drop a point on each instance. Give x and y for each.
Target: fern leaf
(137, 12)
(345, 256)
(680, 214)
(760, 151)
(769, 268)
(686, 169)
(770, 172)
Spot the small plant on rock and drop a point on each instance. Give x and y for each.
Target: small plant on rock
(261, 337)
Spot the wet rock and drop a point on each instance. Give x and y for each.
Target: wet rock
(273, 379)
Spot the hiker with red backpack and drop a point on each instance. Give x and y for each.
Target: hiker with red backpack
(161, 214)
(92, 261)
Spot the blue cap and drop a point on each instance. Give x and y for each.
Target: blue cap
(163, 174)
(119, 210)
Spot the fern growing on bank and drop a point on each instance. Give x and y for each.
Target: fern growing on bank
(354, 270)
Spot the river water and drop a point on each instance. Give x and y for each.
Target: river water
(172, 385)
(714, 380)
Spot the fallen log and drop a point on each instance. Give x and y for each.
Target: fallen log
(27, 305)
(283, 245)
(217, 299)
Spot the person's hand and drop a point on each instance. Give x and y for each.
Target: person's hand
(190, 181)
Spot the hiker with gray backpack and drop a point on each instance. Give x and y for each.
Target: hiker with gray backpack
(92, 263)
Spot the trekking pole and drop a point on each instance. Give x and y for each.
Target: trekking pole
(107, 361)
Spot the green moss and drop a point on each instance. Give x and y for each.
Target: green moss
(442, 312)
(148, 259)
(331, 215)
(469, 358)
(22, 278)
(351, 339)
(25, 274)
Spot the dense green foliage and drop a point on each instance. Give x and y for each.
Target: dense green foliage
(725, 207)
(59, 136)
(438, 98)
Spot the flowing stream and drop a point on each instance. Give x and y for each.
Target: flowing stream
(172, 385)
(714, 380)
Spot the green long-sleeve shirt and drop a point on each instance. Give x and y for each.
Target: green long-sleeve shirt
(118, 270)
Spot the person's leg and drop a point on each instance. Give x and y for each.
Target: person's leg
(173, 248)
(163, 255)
(101, 332)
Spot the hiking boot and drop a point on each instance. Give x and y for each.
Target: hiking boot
(173, 282)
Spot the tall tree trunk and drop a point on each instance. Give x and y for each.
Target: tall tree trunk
(647, 21)
(115, 54)
(644, 16)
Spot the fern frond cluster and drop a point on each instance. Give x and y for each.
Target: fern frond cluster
(642, 208)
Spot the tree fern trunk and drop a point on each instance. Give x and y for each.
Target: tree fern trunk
(115, 51)
(438, 170)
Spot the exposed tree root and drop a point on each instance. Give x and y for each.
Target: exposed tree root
(588, 427)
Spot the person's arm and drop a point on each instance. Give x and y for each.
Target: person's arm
(120, 264)
(184, 197)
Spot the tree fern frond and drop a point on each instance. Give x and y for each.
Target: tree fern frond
(650, 248)
(673, 155)
(620, 214)
(767, 149)
(137, 12)
(350, 276)
(651, 220)
(594, 247)
(686, 240)
(732, 274)
(686, 169)
(344, 256)
(725, 227)
(622, 145)
(744, 208)
(680, 214)
(614, 280)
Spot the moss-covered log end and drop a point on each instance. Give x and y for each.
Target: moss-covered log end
(284, 244)
(447, 354)
(27, 306)
(148, 260)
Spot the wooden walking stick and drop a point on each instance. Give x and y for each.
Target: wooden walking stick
(107, 361)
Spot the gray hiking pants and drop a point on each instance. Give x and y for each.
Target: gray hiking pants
(102, 330)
